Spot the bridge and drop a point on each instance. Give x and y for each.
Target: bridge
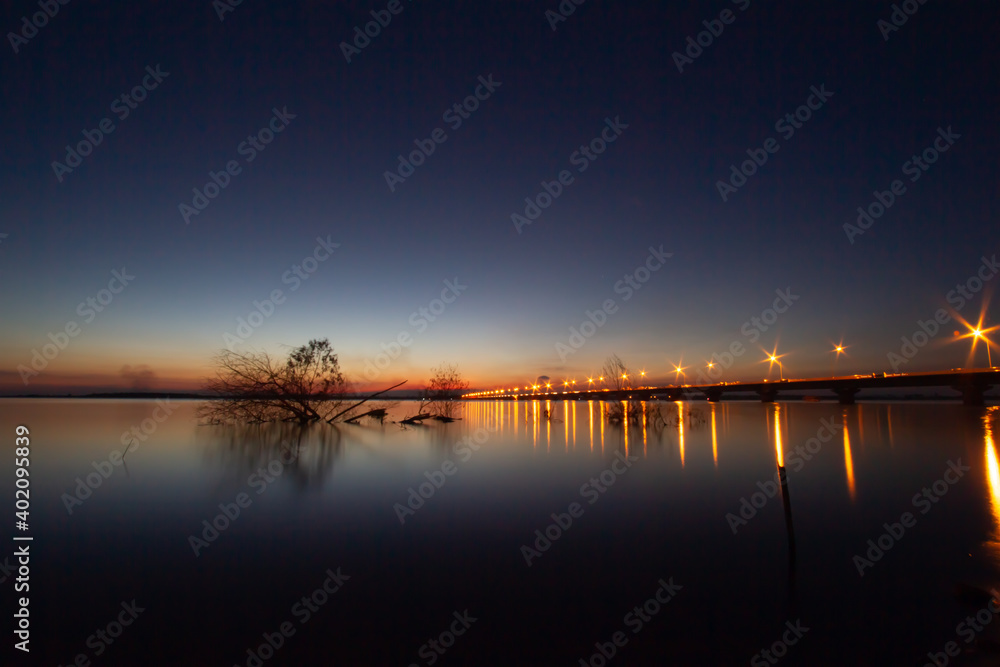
(971, 384)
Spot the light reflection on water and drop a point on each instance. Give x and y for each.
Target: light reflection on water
(848, 459)
(333, 504)
(993, 475)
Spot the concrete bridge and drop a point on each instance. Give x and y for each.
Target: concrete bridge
(971, 384)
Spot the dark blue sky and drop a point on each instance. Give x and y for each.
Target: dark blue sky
(323, 176)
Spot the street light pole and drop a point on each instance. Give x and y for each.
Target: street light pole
(781, 372)
(979, 334)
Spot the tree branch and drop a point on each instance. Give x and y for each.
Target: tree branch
(330, 420)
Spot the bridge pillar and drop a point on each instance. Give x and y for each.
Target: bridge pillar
(972, 394)
(767, 395)
(846, 395)
(714, 395)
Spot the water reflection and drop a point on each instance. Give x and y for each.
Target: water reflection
(715, 440)
(786, 499)
(625, 424)
(307, 452)
(680, 428)
(993, 475)
(777, 437)
(848, 459)
(645, 407)
(460, 544)
(246, 448)
(888, 419)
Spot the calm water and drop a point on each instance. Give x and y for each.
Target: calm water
(657, 513)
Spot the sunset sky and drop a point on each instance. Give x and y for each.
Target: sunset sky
(382, 248)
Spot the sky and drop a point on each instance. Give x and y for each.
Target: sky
(519, 189)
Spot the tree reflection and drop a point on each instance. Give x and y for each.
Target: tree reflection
(305, 453)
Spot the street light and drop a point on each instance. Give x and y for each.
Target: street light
(837, 350)
(678, 372)
(975, 333)
(978, 333)
(781, 372)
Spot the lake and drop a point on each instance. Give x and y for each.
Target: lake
(528, 533)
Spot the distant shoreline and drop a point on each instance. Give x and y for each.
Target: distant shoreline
(807, 398)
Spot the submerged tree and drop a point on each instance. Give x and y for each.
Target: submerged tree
(446, 385)
(617, 375)
(254, 387)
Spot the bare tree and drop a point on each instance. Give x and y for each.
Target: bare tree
(446, 385)
(617, 374)
(619, 378)
(255, 387)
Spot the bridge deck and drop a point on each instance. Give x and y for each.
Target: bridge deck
(972, 384)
